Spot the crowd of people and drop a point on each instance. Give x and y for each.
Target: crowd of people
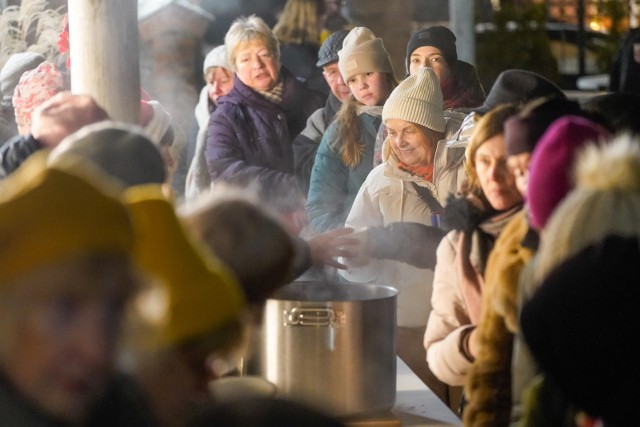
(508, 221)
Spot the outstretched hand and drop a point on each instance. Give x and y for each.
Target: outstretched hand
(62, 115)
(327, 246)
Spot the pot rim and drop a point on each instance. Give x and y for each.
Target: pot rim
(295, 292)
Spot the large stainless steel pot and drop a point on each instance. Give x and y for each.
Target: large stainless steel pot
(332, 346)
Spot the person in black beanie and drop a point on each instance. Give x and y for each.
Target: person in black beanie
(580, 326)
(435, 47)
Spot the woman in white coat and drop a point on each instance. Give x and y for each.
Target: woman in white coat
(413, 183)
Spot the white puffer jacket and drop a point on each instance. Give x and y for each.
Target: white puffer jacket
(388, 196)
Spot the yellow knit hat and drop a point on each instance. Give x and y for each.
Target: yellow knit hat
(201, 293)
(48, 213)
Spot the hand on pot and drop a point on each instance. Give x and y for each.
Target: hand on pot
(328, 246)
(356, 254)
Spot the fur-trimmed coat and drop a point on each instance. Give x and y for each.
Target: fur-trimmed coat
(488, 383)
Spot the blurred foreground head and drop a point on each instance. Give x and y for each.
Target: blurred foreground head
(120, 150)
(66, 276)
(578, 326)
(246, 237)
(191, 316)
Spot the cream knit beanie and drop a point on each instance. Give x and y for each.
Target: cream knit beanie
(363, 52)
(417, 99)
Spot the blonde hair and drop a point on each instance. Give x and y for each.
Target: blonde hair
(488, 126)
(349, 142)
(299, 23)
(605, 201)
(247, 29)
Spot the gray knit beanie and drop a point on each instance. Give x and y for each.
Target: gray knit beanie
(13, 69)
(417, 99)
(363, 52)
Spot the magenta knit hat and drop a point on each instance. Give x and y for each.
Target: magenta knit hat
(552, 162)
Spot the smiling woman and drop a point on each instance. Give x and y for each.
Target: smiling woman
(408, 187)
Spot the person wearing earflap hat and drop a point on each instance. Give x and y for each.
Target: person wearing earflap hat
(306, 143)
(435, 47)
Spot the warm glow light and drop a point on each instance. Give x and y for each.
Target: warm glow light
(595, 26)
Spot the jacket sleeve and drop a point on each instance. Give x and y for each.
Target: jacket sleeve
(305, 146)
(327, 188)
(365, 212)
(409, 242)
(225, 161)
(448, 318)
(16, 151)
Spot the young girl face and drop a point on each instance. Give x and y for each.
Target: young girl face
(370, 89)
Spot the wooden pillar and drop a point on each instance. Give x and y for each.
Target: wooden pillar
(389, 20)
(462, 24)
(104, 55)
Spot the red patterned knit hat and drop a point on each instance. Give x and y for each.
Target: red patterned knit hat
(35, 87)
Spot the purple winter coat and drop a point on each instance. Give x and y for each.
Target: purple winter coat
(249, 138)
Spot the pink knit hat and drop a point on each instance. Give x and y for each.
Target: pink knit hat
(35, 87)
(552, 162)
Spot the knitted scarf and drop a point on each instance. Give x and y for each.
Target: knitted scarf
(424, 172)
(275, 93)
(456, 95)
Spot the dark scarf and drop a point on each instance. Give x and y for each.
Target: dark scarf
(482, 226)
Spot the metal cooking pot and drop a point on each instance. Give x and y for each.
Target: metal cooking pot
(332, 346)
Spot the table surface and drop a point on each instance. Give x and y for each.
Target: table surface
(416, 405)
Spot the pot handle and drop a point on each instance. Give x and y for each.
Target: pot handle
(313, 316)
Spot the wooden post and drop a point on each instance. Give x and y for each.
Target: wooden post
(104, 55)
(462, 24)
